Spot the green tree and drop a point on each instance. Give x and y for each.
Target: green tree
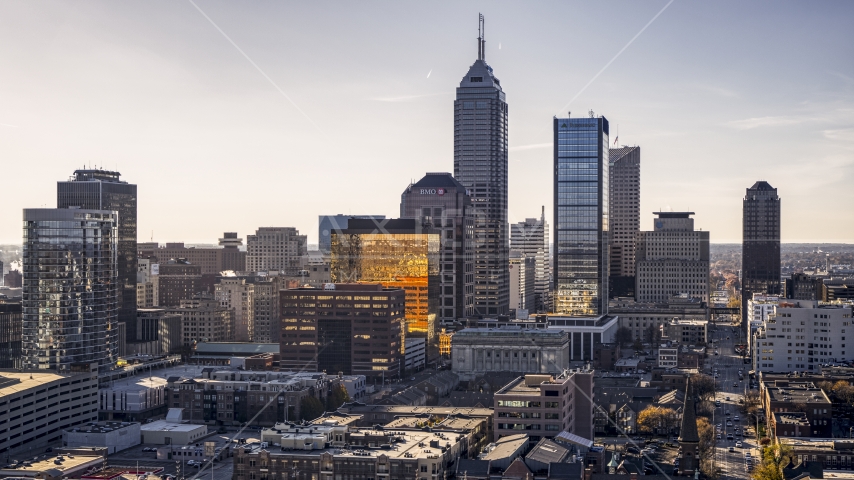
(623, 336)
(337, 397)
(310, 408)
(774, 458)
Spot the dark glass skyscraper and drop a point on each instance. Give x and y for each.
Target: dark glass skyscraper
(581, 216)
(70, 288)
(480, 164)
(760, 248)
(103, 190)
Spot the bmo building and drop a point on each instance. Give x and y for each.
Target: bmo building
(442, 202)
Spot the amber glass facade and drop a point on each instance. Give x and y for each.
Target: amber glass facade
(395, 260)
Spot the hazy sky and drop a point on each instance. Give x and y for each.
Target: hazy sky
(335, 107)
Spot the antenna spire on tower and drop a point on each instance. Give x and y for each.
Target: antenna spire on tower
(481, 34)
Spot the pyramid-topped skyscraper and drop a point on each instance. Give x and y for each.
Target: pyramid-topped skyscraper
(480, 164)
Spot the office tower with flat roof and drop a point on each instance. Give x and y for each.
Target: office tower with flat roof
(480, 164)
(104, 190)
(672, 259)
(581, 210)
(329, 224)
(278, 249)
(401, 254)
(760, 247)
(624, 205)
(70, 292)
(442, 202)
(178, 280)
(355, 329)
(531, 239)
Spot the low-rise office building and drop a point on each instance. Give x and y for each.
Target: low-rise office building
(668, 356)
(113, 436)
(35, 406)
(832, 453)
(792, 397)
(477, 351)
(584, 333)
(370, 415)
(372, 454)
(545, 405)
(172, 432)
(645, 319)
(687, 332)
(134, 399)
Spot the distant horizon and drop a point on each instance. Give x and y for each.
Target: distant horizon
(233, 116)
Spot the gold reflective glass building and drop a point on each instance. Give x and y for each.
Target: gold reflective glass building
(396, 253)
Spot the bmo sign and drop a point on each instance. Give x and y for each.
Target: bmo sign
(432, 191)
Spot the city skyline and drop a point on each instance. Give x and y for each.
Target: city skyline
(162, 96)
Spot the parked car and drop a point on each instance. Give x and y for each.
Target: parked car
(738, 444)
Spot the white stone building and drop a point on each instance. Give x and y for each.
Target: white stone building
(803, 335)
(476, 351)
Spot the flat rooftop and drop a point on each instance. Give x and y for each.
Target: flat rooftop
(164, 426)
(797, 393)
(406, 445)
(505, 447)
(22, 381)
(356, 407)
(827, 444)
(791, 418)
(69, 463)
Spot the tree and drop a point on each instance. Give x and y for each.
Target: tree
(774, 458)
(751, 402)
(337, 397)
(703, 385)
(653, 334)
(654, 418)
(706, 432)
(310, 408)
(637, 345)
(843, 391)
(623, 336)
(649, 419)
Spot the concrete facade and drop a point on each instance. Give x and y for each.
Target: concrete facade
(543, 406)
(672, 259)
(477, 351)
(275, 249)
(48, 402)
(114, 436)
(802, 336)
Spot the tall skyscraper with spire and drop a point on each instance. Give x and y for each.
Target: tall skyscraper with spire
(480, 164)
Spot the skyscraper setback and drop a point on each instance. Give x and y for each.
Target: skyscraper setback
(581, 216)
(95, 189)
(480, 164)
(760, 248)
